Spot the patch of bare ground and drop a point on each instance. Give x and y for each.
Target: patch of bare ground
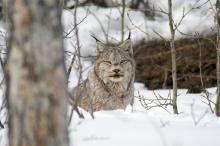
(153, 63)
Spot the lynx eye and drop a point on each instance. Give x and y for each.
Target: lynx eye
(107, 62)
(123, 61)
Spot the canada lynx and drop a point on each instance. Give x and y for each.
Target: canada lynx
(110, 82)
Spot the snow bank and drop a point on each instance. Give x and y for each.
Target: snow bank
(154, 127)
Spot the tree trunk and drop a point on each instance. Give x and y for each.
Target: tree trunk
(217, 105)
(3, 10)
(36, 79)
(173, 55)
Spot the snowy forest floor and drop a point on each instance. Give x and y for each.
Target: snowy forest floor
(195, 125)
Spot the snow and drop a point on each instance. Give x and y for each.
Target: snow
(195, 125)
(154, 127)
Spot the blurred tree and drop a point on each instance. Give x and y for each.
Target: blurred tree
(1, 12)
(36, 79)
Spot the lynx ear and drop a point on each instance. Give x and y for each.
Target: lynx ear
(127, 46)
(100, 47)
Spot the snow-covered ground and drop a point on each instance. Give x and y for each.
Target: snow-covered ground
(196, 125)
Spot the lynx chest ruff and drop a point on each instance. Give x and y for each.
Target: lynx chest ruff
(110, 82)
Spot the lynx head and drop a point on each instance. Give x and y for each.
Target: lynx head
(115, 63)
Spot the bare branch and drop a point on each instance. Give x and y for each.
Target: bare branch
(209, 102)
(76, 56)
(100, 24)
(137, 27)
(158, 101)
(184, 14)
(74, 27)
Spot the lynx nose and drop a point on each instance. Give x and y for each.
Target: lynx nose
(116, 70)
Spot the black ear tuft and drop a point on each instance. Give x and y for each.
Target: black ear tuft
(95, 38)
(129, 35)
(100, 46)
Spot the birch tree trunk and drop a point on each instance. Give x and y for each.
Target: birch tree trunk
(173, 56)
(217, 106)
(36, 80)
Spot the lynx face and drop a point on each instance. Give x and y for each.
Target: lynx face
(115, 63)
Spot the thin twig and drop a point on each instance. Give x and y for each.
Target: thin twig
(75, 25)
(137, 27)
(159, 101)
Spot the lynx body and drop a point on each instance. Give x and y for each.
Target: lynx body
(110, 82)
